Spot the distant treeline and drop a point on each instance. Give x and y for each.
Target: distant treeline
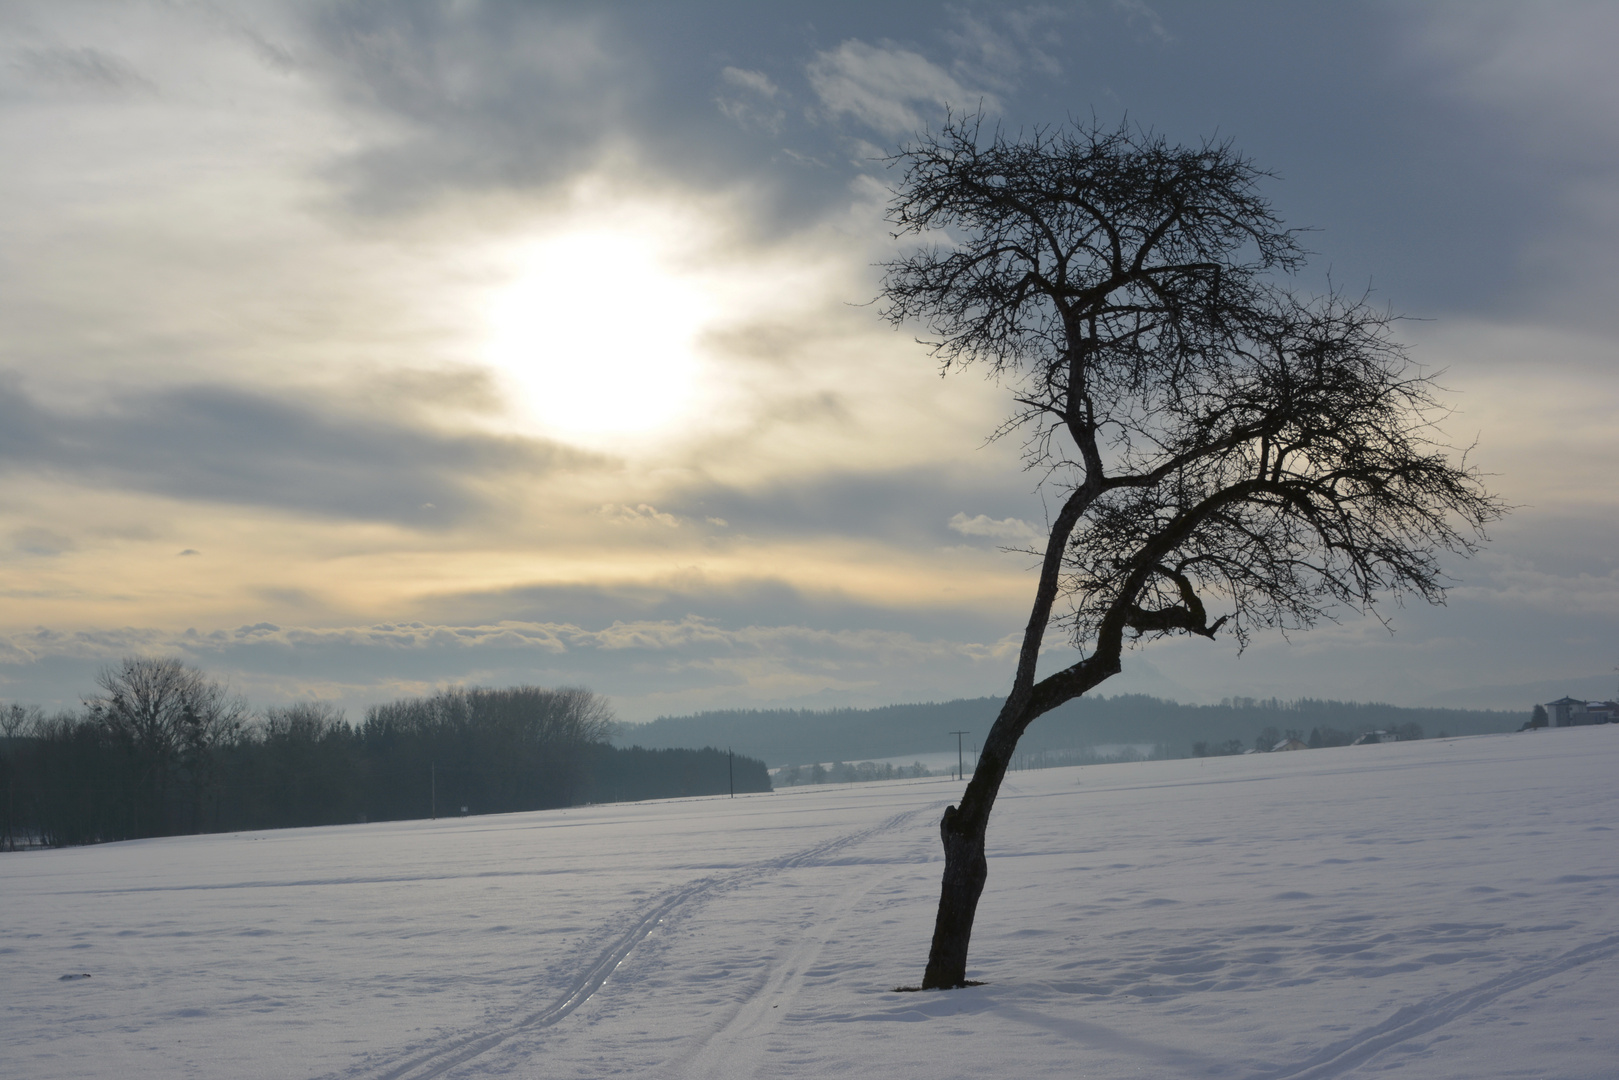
(1268, 739)
(786, 737)
(1273, 738)
(840, 772)
(164, 750)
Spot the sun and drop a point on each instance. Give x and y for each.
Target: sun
(595, 334)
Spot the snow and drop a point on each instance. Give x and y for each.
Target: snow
(1445, 908)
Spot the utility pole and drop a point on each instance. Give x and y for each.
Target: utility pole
(730, 770)
(960, 770)
(432, 788)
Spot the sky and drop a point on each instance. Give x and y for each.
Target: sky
(353, 350)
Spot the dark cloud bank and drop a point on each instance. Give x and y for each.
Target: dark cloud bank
(225, 445)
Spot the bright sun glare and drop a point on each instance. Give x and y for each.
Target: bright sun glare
(595, 335)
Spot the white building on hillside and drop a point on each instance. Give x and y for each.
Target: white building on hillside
(1571, 712)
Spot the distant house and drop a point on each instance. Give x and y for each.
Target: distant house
(1375, 737)
(1290, 744)
(1571, 712)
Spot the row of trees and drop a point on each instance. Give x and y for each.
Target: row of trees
(1045, 758)
(163, 749)
(145, 757)
(1319, 737)
(848, 773)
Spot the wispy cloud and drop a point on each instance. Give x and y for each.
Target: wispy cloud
(34, 540)
(640, 514)
(83, 69)
(752, 100)
(1011, 530)
(468, 96)
(1001, 47)
(1143, 18)
(881, 87)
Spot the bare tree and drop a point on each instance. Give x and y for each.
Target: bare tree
(18, 721)
(520, 747)
(1221, 454)
(173, 718)
(305, 721)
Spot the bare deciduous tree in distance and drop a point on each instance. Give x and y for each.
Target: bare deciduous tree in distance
(1211, 442)
(174, 719)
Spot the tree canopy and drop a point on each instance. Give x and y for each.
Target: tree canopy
(1224, 453)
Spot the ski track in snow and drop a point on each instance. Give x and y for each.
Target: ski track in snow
(1294, 917)
(735, 1037)
(463, 1048)
(1414, 1020)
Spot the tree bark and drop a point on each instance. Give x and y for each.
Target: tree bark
(963, 828)
(965, 868)
(965, 871)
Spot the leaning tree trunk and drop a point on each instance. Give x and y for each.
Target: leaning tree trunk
(965, 868)
(965, 871)
(964, 826)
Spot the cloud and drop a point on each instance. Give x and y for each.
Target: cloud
(450, 100)
(641, 514)
(647, 667)
(1542, 94)
(1141, 17)
(1012, 530)
(83, 69)
(879, 86)
(468, 95)
(223, 445)
(37, 541)
(1002, 57)
(734, 600)
(1556, 74)
(1519, 584)
(171, 177)
(751, 101)
(905, 506)
(755, 82)
(1540, 400)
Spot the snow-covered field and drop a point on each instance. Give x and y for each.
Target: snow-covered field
(1447, 908)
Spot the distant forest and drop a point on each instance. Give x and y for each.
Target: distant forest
(164, 750)
(1067, 735)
